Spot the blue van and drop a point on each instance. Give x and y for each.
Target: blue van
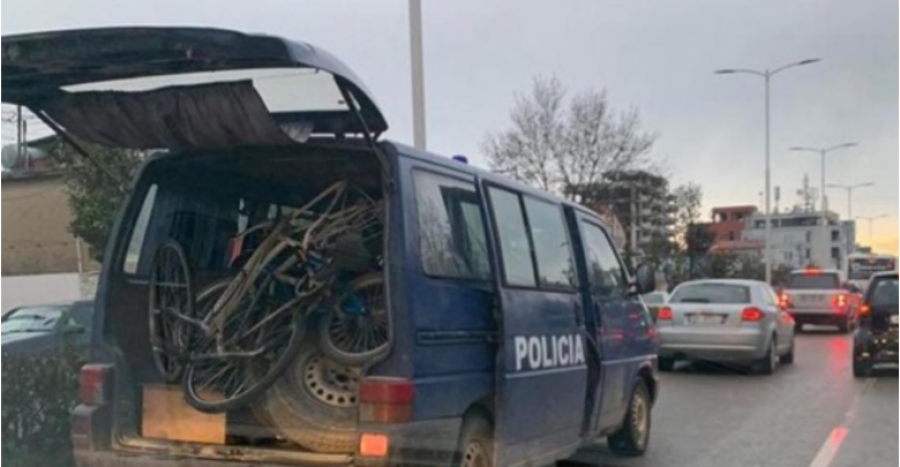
(516, 336)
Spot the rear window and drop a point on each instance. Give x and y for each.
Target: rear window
(712, 293)
(884, 293)
(814, 282)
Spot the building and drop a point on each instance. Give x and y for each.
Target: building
(729, 222)
(799, 240)
(642, 203)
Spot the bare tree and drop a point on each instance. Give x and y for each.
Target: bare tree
(564, 149)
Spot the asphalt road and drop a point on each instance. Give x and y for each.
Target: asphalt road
(811, 414)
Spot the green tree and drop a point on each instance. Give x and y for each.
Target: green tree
(97, 188)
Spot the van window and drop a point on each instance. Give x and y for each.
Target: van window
(604, 268)
(515, 248)
(136, 244)
(552, 249)
(452, 239)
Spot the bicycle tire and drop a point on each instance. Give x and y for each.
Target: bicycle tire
(337, 321)
(167, 339)
(210, 403)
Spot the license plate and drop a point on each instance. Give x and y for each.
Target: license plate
(705, 319)
(895, 319)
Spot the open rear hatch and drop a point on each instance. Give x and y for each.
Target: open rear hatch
(182, 88)
(225, 100)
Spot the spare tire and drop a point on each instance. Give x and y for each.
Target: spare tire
(314, 404)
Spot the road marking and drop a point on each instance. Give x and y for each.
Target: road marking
(829, 451)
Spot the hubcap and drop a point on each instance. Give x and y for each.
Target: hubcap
(332, 384)
(475, 456)
(641, 417)
(774, 355)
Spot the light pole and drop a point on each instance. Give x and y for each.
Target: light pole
(767, 75)
(850, 189)
(872, 220)
(418, 74)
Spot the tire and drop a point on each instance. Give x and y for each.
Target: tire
(861, 369)
(769, 362)
(666, 364)
(798, 328)
(297, 404)
(476, 443)
(213, 405)
(788, 358)
(375, 321)
(844, 326)
(170, 285)
(633, 438)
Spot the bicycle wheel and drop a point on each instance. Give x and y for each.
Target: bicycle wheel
(357, 329)
(258, 341)
(171, 295)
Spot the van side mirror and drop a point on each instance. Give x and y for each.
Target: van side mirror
(644, 280)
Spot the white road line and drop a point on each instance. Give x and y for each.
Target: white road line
(829, 451)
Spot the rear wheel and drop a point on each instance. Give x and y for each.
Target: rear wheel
(788, 358)
(356, 330)
(845, 326)
(861, 369)
(476, 445)
(634, 436)
(171, 295)
(769, 362)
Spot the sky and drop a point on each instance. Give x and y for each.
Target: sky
(656, 56)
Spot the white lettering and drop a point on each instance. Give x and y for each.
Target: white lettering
(521, 352)
(548, 361)
(579, 352)
(534, 353)
(564, 348)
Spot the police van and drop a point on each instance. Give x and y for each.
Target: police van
(514, 333)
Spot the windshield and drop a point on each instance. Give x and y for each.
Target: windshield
(885, 294)
(814, 281)
(31, 320)
(712, 293)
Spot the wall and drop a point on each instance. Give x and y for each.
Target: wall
(36, 238)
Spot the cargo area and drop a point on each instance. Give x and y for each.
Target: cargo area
(250, 298)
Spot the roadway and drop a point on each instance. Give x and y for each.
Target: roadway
(810, 414)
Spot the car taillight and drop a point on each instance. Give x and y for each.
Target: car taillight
(752, 315)
(865, 310)
(95, 384)
(386, 400)
(665, 314)
(785, 302)
(841, 301)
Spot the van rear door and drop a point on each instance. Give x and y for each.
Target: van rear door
(541, 365)
(183, 88)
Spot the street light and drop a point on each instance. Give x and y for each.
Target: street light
(767, 75)
(823, 152)
(872, 220)
(850, 189)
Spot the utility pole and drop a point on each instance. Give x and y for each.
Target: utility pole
(418, 74)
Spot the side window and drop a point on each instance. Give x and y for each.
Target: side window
(452, 239)
(552, 249)
(604, 269)
(515, 248)
(139, 234)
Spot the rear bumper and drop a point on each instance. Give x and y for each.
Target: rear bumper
(125, 459)
(876, 348)
(720, 346)
(823, 317)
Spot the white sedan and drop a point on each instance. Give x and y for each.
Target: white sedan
(734, 321)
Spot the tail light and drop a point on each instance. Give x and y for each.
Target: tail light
(95, 384)
(785, 302)
(752, 315)
(865, 310)
(665, 314)
(841, 302)
(384, 400)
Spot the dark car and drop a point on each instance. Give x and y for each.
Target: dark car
(36, 329)
(876, 340)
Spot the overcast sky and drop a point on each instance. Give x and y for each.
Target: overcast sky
(655, 55)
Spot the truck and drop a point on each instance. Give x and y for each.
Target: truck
(861, 267)
(477, 322)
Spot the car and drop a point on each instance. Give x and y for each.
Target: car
(733, 321)
(37, 329)
(655, 301)
(816, 297)
(875, 342)
(514, 332)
